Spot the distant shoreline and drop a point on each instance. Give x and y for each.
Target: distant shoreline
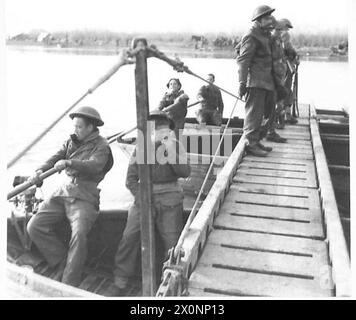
(306, 53)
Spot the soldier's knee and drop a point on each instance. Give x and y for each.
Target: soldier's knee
(32, 227)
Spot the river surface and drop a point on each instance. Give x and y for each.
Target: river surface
(41, 85)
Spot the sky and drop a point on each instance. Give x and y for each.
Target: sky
(198, 16)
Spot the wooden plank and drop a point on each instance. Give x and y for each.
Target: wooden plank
(338, 248)
(275, 166)
(246, 177)
(305, 145)
(288, 201)
(247, 209)
(312, 229)
(273, 173)
(299, 162)
(311, 194)
(269, 242)
(296, 136)
(242, 283)
(289, 148)
(261, 262)
(290, 155)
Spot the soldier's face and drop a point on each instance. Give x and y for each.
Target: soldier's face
(173, 85)
(161, 132)
(266, 22)
(210, 79)
(81, 129)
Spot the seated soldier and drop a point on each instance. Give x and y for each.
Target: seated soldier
(176, 101)
(86, 158)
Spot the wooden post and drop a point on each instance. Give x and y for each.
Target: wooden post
(145, 201)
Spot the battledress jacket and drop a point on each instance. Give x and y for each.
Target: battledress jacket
(212, 99)
(279, 61)
(90, 160)
(164, 176)
(179, 107)
(255, 59)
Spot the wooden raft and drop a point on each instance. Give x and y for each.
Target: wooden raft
(268, 237)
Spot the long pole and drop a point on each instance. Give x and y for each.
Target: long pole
(90, 90)
(144, 170)
(27, 184)
(125, 132)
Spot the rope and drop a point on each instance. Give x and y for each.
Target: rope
(179, 66)
(194, 209)
(122, 61)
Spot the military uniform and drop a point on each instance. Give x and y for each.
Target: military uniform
(178, 108)
(291, 56)
(255, 70)
(212, 105)
(168, 216)
(76, 199)
(279, 74)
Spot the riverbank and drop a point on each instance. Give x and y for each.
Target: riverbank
(182, 50)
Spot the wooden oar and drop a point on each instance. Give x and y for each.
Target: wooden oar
(27, 184)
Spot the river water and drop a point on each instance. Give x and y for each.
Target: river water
(42, 84)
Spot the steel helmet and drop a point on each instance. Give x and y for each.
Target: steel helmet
(157, 114)
(261, 11)
(286, 23)
(88, 112)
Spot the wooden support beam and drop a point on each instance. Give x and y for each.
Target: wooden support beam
(146, 201)
(337, 244)
(202, 223)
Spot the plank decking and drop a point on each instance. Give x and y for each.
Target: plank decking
(268, 238)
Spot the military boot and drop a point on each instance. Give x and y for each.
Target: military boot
(275, 137)
(263, 147)
(256, 151)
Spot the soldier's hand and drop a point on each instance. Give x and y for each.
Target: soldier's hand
(242, 89)
(61, 164)
(35, 178)
(125, 57)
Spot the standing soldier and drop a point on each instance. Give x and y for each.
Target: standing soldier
(292, 62)
(256, 80)
(212, 105)
(86, 158)
(168, 202)
(279, 72)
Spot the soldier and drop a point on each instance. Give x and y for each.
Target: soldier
(279, 72)
(176, 100)
(292, 62)
(86, 158)
(212, 105)
(168, 202)
(256, 80)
